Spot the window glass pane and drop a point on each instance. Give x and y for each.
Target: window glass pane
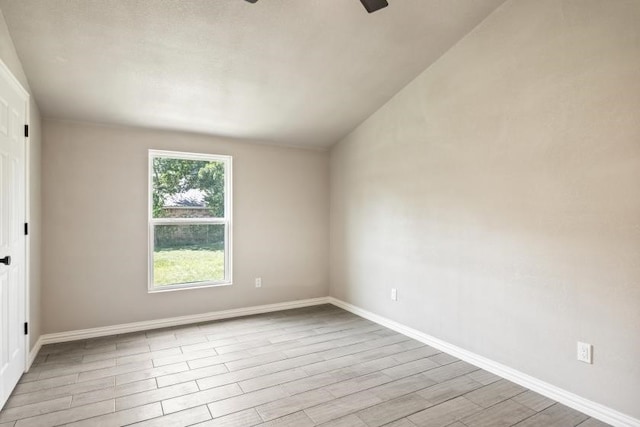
(187, 188)
(188, 253)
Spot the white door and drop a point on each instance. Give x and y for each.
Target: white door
(13, 108)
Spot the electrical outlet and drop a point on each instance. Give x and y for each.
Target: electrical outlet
(585, 352)
(394, 294)
(258, 282)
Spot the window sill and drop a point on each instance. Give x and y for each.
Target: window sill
(172, 288)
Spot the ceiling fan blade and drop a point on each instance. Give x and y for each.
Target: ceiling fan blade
(373, 5)
(370, 5)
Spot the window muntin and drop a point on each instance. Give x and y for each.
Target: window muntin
(189, 220)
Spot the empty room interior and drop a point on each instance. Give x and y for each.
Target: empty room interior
(352, 213)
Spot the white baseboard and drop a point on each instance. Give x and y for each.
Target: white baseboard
(572, 400)
(173, 321)
(569, 399)
(33, 353)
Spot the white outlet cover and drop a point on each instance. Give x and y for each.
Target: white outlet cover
(258, 282)
(585, 352)
(394, 294)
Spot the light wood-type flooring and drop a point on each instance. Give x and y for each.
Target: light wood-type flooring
(304, 367)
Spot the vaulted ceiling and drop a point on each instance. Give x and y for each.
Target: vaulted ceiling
(291, 72)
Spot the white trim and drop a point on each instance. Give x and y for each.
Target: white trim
(4, 69)
(188, 155)
(27, 242)
(6, 72)
(226, 221)
(567, 398)
(31, 355)
(572, 400)
(176, 321)
(186, 286)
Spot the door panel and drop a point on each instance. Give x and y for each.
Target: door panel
(13, 104)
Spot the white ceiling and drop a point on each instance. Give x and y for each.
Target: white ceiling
(294, 72)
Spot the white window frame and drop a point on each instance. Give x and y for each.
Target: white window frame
(226, 221)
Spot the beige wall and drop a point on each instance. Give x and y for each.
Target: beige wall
(498, 192)
(95, 222)
(10, 58)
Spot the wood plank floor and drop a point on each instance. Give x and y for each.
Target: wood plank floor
(306, 367)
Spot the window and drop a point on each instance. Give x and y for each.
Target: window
(189, 220)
